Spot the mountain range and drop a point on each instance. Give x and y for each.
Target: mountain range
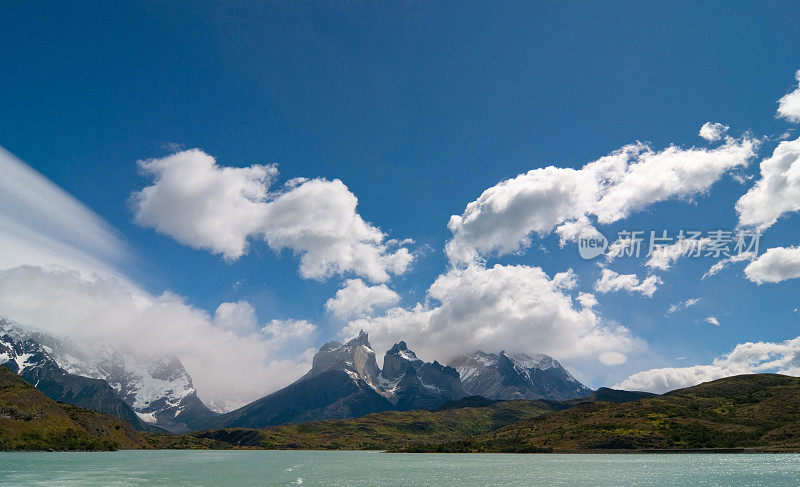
(481, 402)
(148, 392)
(156, 392)
(346, 382)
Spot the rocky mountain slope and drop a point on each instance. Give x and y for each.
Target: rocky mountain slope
(32, 362)
(29, 420)
(517, 376)
(158, 389)
(345, 382)
(409, 383)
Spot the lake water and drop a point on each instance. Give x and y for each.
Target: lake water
(280, 468)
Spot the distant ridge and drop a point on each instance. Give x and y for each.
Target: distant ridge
(517, 376)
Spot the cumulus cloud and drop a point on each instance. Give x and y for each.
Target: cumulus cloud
(513, 308)
(778, 190)
(746, 358)
(227, 356)
(43, 225)
(789, 104)
(713, 131)
(712, 320)
(503, 219)
(221, 209)
(775, 265)
(587, 300)
(357, 299)
(611, 281)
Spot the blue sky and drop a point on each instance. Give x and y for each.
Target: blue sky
(417, 108)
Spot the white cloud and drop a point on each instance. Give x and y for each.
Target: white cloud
(627, 246)
(713, 131)
(611, 281)
(279, 332)
(789, 104)
(587, 300)
(612, 358)
(778, 190)
(227, 356)
(746, 358)
(203, 205)
(775, 265)
(512, 308)
(722, 264)
(220, 209)
(60, 272)
(712, 320)
(357, 299)
(43, 225)
(505, 216)
(662, 257)
(565, 280)
(239, 317)
(674, 308)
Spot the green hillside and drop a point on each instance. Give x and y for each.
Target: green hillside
(760, 412)
(380, 431)
(29, 420)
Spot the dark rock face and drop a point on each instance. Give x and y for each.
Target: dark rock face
(355, 357)
(517, 376)
(398, 360)
(411, 383)
(344, 382)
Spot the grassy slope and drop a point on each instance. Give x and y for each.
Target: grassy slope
(750, 411)
(378, 431)
(29, 420)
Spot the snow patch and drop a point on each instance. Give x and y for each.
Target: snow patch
(147, 417)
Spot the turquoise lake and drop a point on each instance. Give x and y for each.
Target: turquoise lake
(285, 468)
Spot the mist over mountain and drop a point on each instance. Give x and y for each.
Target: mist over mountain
(156, 391)
(31, 361)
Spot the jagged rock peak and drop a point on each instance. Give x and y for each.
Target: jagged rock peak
(361, 339)
(398, 360)
(355, 357)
